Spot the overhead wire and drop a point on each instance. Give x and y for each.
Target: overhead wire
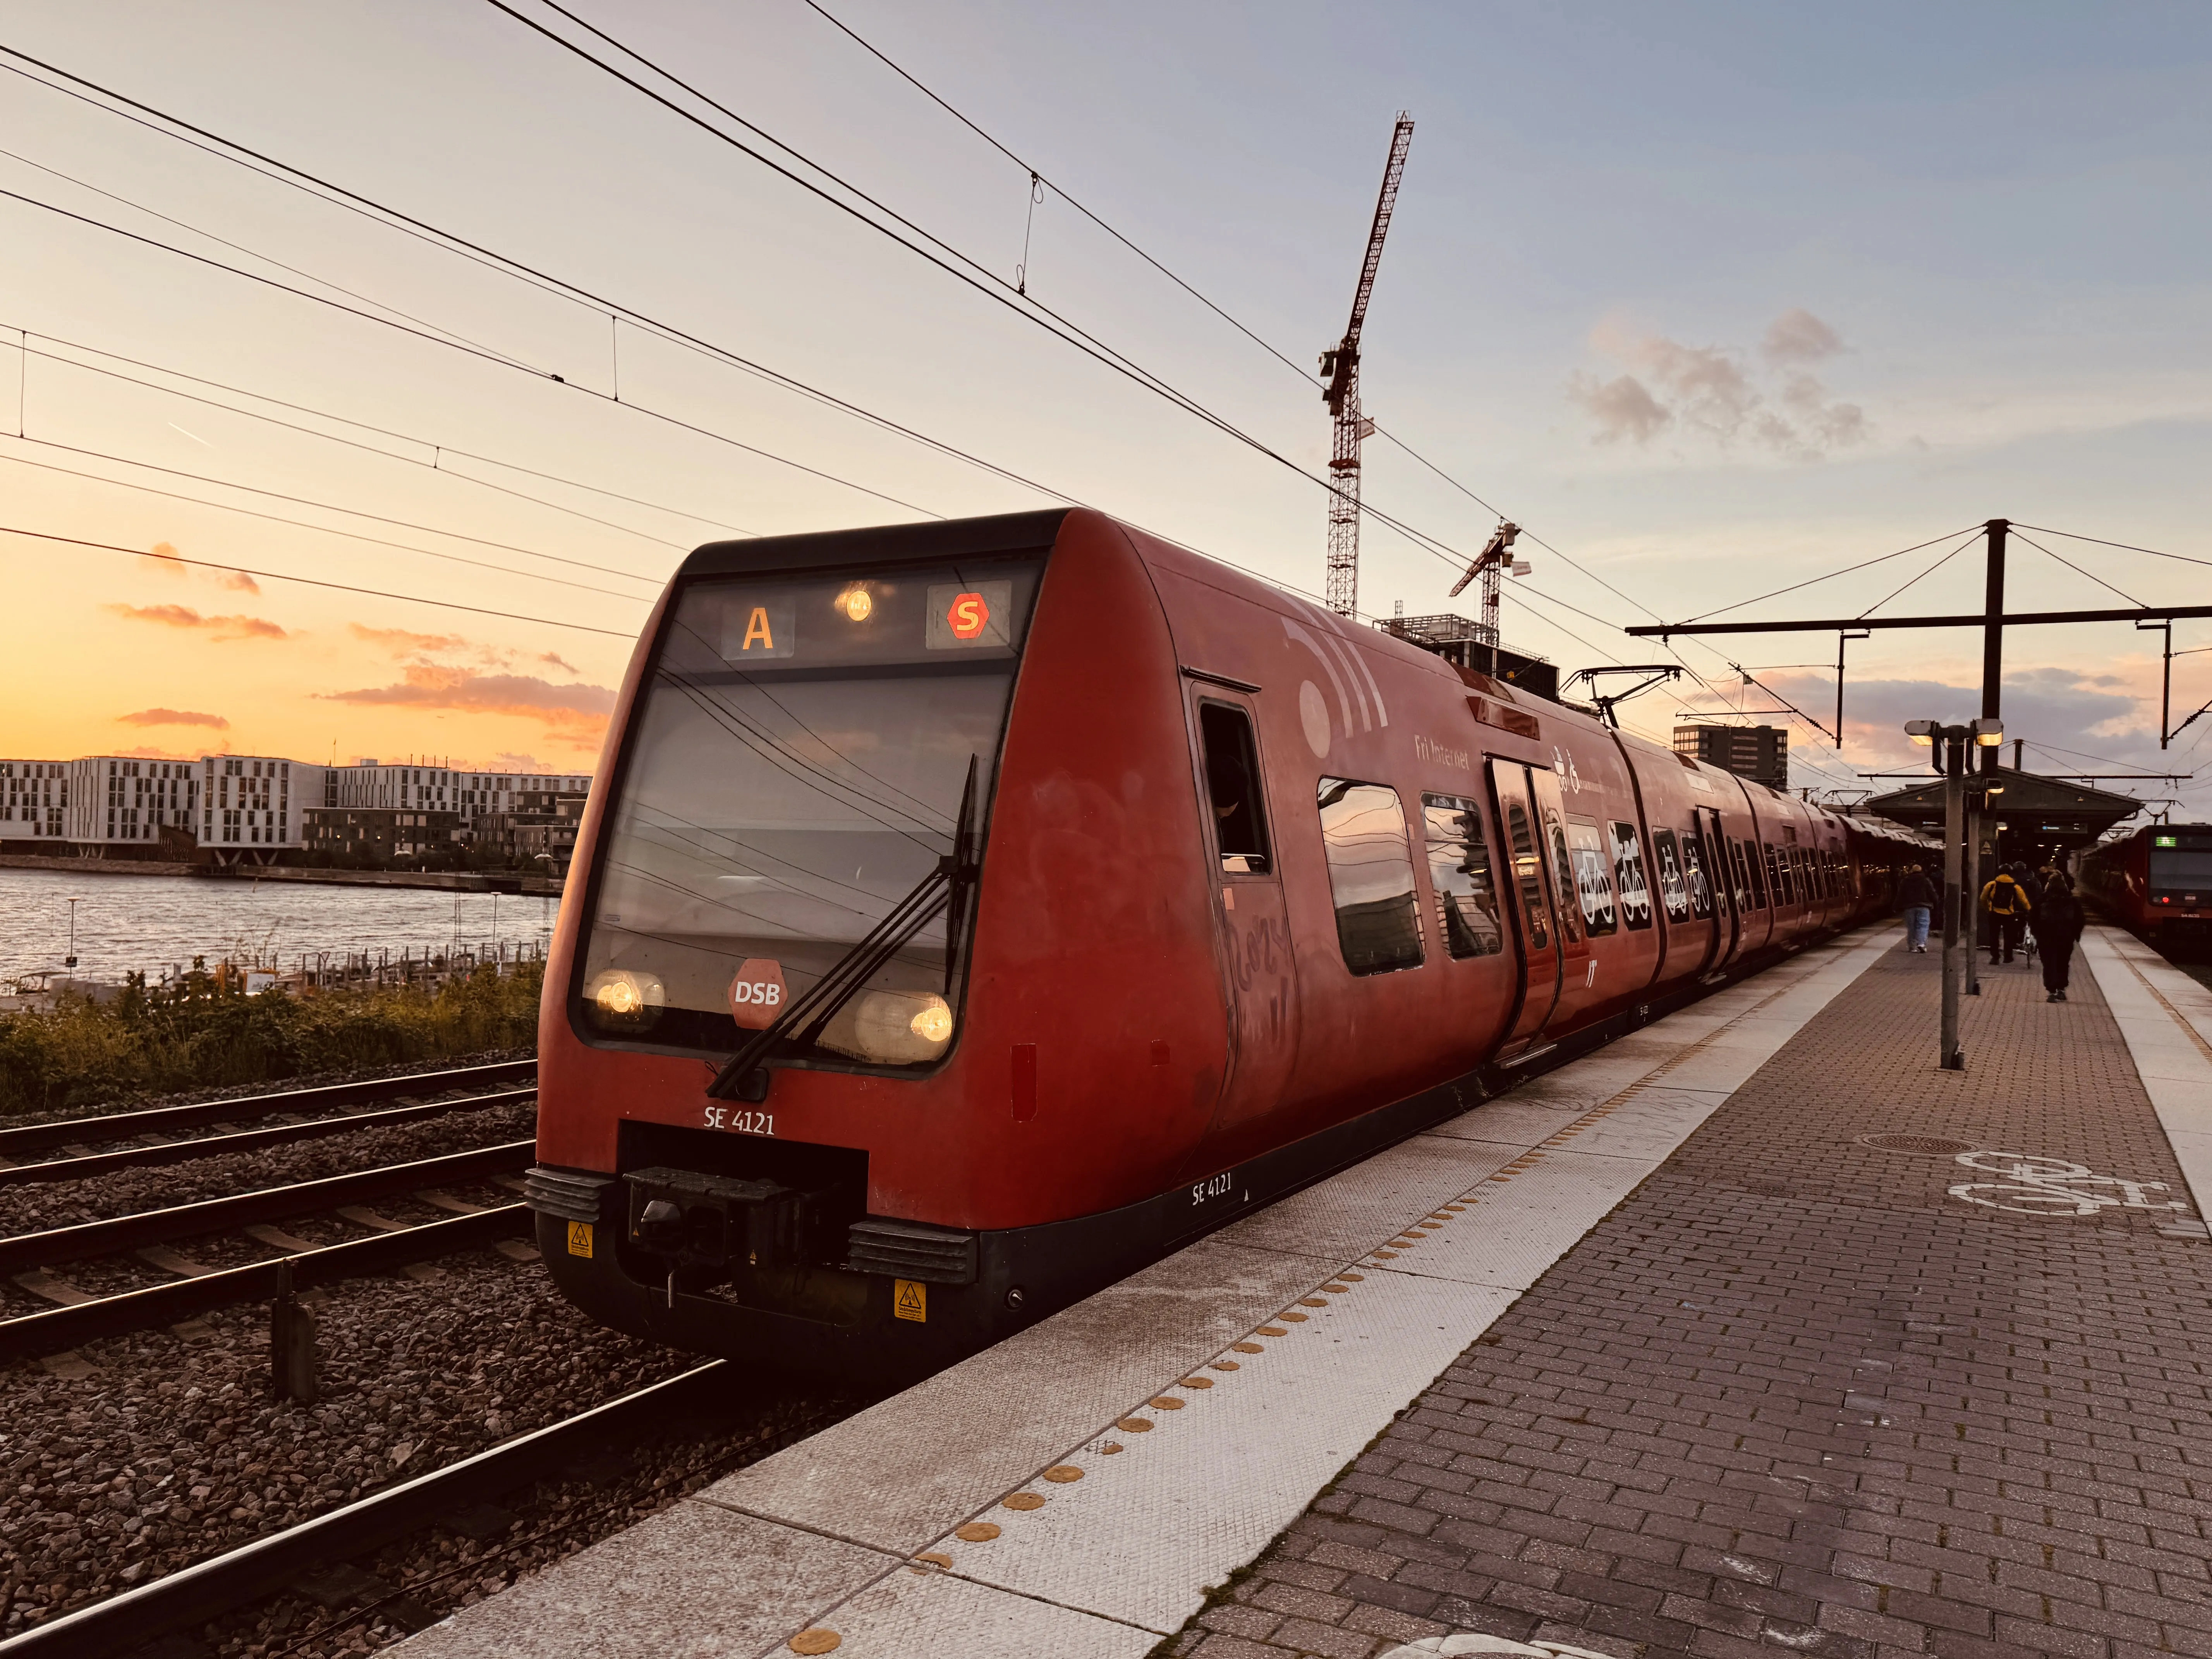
(438, 450)
(2078, 570)
(456, 345)
(296, 524)
(2125, 547)
(313, 581)
(983, 280)
(1969, 540)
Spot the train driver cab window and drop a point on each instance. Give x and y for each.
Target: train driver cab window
(1370, 875)
(1232, 783)
(1459, 870)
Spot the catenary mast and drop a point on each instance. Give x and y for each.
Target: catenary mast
(1341, 368)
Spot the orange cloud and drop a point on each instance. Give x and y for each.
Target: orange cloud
(401, 641)
(578, 713)
(148, 752)
(165, 558)
(237, 580)
(558, 661)
(220, 628)
(172, 717)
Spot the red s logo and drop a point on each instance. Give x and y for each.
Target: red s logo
(968, 617)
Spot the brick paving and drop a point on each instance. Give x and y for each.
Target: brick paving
(1793, 1397)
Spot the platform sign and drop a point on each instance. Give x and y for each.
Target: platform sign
(757, 994)
(961, 617)
(579, 1239)
(756, 625)
(910, 1300)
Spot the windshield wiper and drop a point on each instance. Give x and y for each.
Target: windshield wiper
(949, 886)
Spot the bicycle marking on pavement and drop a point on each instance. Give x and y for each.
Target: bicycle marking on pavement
(2035, 1185)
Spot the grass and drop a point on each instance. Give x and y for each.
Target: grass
(206, 1033)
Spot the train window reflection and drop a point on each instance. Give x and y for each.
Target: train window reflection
(1526, 873)
(1459, 869)
(1232, 781)
(1370, 874)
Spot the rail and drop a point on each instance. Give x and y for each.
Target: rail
(121, 1125)
(184, 1151)
(136, 1232)
(52, 1330)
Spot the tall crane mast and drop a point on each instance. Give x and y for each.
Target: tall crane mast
(1341, 368)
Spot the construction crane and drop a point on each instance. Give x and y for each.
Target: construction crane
(1495, 559)
(1340, 367)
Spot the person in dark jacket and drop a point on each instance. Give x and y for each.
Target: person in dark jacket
(2008, 905)
(2058, 924)
(1916, 901)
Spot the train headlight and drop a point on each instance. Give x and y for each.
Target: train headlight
(890, 1028)
(626, 999)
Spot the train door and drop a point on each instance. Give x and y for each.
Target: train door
(1259, 967)
(1535, 921)
(1727, 900)
(1578, 967)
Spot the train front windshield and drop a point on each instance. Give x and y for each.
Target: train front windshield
(796, 770)
(2180, 866)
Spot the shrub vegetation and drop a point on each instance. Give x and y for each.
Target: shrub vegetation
(205, 1032)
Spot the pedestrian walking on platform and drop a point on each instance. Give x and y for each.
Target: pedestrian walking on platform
(2006, 904)
(1916, 903)
(2058, 925)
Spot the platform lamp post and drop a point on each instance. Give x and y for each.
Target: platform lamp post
(1955, 739)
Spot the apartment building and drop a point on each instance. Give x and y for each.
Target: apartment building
(33, 797)
(250, 805)
(117, 803)
(441, 789)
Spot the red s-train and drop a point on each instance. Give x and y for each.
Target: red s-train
(2156, 883)
(967, 914)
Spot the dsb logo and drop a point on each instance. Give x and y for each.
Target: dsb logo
(757, 994)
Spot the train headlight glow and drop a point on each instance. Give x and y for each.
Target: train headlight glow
(626, 999)
(855, 603)
(934, 1023)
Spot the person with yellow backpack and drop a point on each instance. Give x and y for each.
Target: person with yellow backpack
(2006, 901)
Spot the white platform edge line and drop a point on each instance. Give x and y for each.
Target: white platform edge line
(1838, 963)
(2183, 1103)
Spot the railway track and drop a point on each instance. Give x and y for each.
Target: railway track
(193, 1595)
(148, 1232)
(85, 1133)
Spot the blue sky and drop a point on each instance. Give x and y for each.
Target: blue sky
(1711, 298)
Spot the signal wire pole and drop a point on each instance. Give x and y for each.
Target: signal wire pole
(1959, 896)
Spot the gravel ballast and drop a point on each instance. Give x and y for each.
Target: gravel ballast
(171, 1449)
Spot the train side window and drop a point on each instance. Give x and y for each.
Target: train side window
(1370, 875)
(1459, 869)
(1628, 877)
(1232, 782)
(1525, 872)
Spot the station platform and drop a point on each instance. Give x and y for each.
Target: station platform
(1752, 1332)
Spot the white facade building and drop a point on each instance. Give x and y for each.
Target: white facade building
(440, 789)
(117, 801)
(251, 804)
(33, 796)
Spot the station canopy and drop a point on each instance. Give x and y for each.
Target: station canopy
(2052, 811)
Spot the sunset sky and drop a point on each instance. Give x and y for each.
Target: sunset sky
(1713, 299)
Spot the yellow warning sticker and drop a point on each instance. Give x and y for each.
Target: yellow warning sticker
(910, 1299)
(580, 1238)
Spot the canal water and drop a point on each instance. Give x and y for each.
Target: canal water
(154, 923)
